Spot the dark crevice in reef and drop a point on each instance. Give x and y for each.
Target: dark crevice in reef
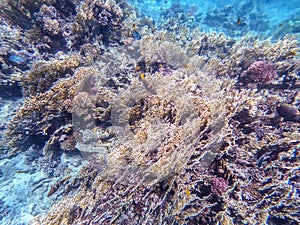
(11, 92)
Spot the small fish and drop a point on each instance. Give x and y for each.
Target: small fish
(137, 68)
(16, 59)
(22, 171)
(134, 26)
(55, 187)
(136, 35)
(292, 53)
(188, 192)
(260, 161)
(147, 85)
(240, 23)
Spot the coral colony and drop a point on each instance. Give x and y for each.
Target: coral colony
(116, 112)
(259, 72)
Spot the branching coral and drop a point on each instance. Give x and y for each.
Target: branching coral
(153, 146)
(44, 74)
(185, 145)
(65, 24)
(43, 113)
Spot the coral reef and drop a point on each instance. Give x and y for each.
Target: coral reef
(13, 61)
(132, 124)
(44, 113)
(234, 18)
(225, 173)
(218, 185)
(290, 25)
(65, 24)
(237, 18)
(259, 72)
(44, 74)
(288, 112)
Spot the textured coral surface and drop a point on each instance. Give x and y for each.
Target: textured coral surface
(128, 123)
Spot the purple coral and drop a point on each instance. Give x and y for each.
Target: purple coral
(165, 70)
(259, 72)
(218, 185)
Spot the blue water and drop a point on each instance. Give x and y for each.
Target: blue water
(24, 184)
(273, 18)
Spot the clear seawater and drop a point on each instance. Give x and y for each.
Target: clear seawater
(260, 17)
(24, 186)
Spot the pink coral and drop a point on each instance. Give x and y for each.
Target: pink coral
(218, 185)
(259, 72)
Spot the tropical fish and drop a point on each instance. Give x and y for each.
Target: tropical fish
(136, 35)
(240, 23)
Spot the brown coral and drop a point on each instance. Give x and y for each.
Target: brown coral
(44, 74)
(157, 143)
